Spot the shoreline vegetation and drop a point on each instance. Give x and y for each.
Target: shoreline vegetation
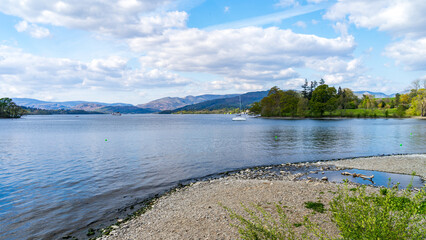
(318, 100)
(197, 210)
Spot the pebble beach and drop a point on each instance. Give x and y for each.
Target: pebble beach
(196, 212)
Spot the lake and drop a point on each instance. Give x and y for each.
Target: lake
(61, 174)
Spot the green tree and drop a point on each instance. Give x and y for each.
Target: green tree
(256, 108)
(288, 102)
(305, 87)
(302, 107)
(323, 99)
(397, 99)
(350, 100)
(9, 109)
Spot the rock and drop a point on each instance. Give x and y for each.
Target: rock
(324, 178)
(346, 173)
(365, 176)
(120, 220)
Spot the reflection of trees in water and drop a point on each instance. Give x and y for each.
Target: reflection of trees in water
(287, 138)
(324, 137)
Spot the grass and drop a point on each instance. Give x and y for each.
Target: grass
(316, 206)
(364, 113)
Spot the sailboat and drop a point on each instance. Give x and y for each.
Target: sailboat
(239, 117)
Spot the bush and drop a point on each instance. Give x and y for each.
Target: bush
(388, 214)
(359, 215)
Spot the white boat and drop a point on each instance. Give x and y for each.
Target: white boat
(239, 117)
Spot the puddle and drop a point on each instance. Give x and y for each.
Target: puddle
(380, 178)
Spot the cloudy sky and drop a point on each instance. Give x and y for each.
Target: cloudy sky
(135, 51)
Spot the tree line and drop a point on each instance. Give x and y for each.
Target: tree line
(8, 109)
(317, 99)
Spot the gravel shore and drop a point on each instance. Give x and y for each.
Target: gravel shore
(404, 164)
(193, 212)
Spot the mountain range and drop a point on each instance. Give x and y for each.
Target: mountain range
(375, 94)
(172, 104)
(230, 102)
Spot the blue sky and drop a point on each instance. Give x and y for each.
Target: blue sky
(136, 51)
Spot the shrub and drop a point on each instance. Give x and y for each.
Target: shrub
(388, 214)
(360, 215)
(262, 225)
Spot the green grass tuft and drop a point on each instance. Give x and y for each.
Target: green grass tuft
(316, 206)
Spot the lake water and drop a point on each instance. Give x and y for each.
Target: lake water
(61, 174)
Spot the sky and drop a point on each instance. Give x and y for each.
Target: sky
(135, 51)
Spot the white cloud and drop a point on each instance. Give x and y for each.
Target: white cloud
(28, 74)
(34, 30)
(124, 18)
(301, 24)
(226, 9)
(399, 17)
(317, 1)
(287, 3)
(234, 83)
(247, 53)
(408, 52)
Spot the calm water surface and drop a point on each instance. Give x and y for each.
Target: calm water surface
(60, 174)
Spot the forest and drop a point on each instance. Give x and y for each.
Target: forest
(317, 99)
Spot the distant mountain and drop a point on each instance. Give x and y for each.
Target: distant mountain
(375, 94)
(126, 109)
(76, 105)
(171, 103)
(230, 102)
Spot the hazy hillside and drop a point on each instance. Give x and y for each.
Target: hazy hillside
(77, 105)
(375, 94)
(171, 103)
(232, 102)
(126, 109)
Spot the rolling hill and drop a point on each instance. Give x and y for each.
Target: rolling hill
(171, 103)
(230, 102)
(76, 105)
(375, 94)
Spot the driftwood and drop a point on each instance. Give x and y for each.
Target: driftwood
(358, 175)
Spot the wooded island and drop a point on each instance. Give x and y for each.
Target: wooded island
(321, 100)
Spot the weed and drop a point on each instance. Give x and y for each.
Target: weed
(90, 232)
(262, 225)
(297, 224)
(316, 206)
